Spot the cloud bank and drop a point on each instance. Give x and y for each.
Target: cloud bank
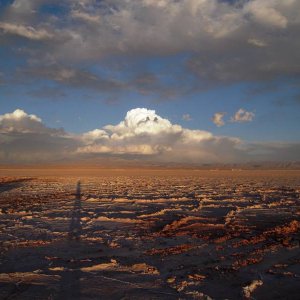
(24, 138)
(142, 135)
(223, 41)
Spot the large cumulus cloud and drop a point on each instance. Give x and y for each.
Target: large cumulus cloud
(142, 135)
(145, 133)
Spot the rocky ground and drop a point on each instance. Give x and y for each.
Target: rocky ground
(151, 235)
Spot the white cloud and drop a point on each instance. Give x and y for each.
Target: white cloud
(96, 134)
(257, 42)
(242, 116)
(76, 14)
(145, 133)
(19, 121)
(140, 121)
(267, 12)
(25, 31)
(218, 118)
(19, 114)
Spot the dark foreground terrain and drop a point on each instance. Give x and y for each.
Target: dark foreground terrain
(130, 234)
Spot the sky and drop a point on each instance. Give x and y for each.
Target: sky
(188, 81)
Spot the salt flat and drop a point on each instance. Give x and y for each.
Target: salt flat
(149, 234)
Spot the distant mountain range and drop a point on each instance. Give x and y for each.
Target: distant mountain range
(120, 163)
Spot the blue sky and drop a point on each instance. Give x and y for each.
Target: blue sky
(84, 65)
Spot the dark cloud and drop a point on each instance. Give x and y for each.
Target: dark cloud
(35, 147)
(145, 83)
(276, 151)
(25, 138)
(229, 41)
(72, 77)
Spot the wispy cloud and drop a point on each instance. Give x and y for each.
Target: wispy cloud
(72, 77)
(257, 42)
(86, 17)
(187, 117)
(25, 31)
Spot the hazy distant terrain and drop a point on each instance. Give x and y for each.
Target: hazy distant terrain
(149, 234)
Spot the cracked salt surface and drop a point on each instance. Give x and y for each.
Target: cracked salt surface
(172, 235)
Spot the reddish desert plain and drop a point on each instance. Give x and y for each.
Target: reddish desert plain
(79, 233)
